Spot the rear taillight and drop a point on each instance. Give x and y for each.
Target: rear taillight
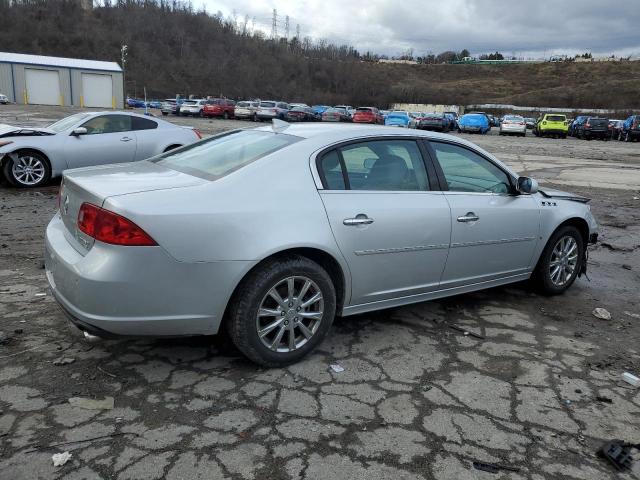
(587, 125)
(109, 227)
(197, 132)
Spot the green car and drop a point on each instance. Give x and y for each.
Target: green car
(552, 125)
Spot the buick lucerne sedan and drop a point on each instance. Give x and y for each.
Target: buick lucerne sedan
(271, 232)
(30, 156)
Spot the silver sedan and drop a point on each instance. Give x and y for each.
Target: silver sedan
(31, 156)
(273, 231)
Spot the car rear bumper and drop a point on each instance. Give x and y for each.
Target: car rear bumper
(513, 128)
(136, 291)
(553, 131)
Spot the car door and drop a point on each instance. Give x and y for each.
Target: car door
(494, 231)
(109, 139)
(389, 224)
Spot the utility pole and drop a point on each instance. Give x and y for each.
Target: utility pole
(274, 25)
(298, 31)
(123, 58)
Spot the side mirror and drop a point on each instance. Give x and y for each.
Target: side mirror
(79, 131)
(526, 185)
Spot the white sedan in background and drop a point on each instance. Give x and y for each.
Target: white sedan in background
(31, 156)
(513, 124)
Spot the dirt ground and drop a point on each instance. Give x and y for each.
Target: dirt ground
(538, 389)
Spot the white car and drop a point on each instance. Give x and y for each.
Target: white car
(3, 99)
(513, 124)
(193, 107)
(30, 156)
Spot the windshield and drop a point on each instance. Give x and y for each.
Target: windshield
(267, 104)
(66, 123)
(190, 102)
(243, 104)
(220, 155)
(513, 118)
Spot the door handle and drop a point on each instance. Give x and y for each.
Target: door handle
(360, 219)
(469, 217)
(126, 139)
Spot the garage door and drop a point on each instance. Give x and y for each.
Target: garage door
(97, 90)
(43, 86)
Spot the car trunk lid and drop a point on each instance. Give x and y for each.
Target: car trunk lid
(95, 184)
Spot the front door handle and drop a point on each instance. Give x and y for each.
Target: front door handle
(469, 217)
(360, 219)
(126, 139)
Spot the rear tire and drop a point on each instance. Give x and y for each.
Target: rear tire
(543, 276)
(30, 169)
(253, 295)
(226, 115)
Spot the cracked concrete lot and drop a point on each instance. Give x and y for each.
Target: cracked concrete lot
(416, 400)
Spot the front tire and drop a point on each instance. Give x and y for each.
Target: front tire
(560, 262)
(282, 311)
(29, 170)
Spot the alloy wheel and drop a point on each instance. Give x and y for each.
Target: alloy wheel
(290, 314)
(564, 260)
(28, 170)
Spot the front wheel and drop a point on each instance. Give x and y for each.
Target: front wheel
(560, 262)
(27, 170)
(282, 311)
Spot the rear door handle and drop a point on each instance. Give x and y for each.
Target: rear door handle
(360, 219)
(469, 217)
(126, 139)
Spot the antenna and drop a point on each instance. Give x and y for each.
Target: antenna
(274, 25)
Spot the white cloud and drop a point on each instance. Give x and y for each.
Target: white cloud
(390, 26)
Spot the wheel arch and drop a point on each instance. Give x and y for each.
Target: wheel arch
(577, 222)
(317, 255)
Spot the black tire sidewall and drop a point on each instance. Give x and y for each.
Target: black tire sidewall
(8, 171)
(246, 302)
(542, 275)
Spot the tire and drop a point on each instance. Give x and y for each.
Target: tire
(255, 117)
(225, 116)
(627, 137)
(164, 114)
(253, 293)
(38, 163)
(542, 276)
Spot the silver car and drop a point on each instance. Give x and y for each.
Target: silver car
(246, 109)
(513, 124)
(31, 156)
(274, 231)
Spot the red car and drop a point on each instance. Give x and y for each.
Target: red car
(219, 107)
(368, 115)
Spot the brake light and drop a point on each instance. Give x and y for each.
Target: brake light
(197, 132)
(587, 125)
(109, 227)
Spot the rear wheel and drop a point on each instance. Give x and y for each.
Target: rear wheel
(282, 311)
(226, 115)
(27, 170)
(560, 262)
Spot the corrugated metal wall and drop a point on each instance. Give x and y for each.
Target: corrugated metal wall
(13, 80)
(6, 81)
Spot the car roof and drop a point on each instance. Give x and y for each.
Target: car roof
(132, 114)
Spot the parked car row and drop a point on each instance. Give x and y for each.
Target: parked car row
(588, 128)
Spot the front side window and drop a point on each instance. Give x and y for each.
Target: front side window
(220, 155)
(466, 171)
(377, 165)
(108, 124)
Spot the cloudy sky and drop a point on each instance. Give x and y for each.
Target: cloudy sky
(527, 28)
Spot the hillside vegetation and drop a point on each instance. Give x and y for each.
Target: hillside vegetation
(175, 49)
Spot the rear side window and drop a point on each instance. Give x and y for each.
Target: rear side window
(220, 155)
(377, 165)
(138, 123)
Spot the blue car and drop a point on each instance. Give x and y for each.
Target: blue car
(318, 110)
(630, 129)
(399, 119)
(135, 103)
(473, 123)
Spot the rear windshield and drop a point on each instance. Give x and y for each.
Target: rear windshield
(556, 118)
(268, 104)
(190, 102)
(243, 104)
(513, 118)
(364, 109)
(218, 156)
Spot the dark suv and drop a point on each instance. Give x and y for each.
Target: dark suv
(593, 127)
(630, 130)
